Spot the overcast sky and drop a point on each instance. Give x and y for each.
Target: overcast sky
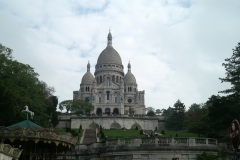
(176, 47)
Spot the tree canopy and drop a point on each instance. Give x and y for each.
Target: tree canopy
(77, 106)
(20, 86)
(232, 66)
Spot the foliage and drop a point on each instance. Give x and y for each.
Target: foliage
(222, 110)
(52, 110)
(163, 132)
(167, 113)
(77, 106)
(175, 116)
(169, 133)
(207, 156)
(150, 109)
(20, 86)
(197, 118)
(232, 67)
(150, 113)
(158, 111)
(81, 107)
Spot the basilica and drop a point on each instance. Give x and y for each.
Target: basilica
(110, 90)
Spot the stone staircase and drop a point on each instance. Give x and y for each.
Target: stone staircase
(89, 136)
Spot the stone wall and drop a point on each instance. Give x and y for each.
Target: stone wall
(111, 122)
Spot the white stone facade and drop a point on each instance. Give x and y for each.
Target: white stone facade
(110, 90)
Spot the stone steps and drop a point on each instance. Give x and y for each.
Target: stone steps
(89, 136)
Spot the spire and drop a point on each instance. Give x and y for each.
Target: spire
(129, 67)
(109, 38)
(88, 67)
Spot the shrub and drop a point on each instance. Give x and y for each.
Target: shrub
(163, 132)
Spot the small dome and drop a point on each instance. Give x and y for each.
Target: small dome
(109, 55)
(87, 78)
(129, 78)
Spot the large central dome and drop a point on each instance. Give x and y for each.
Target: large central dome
(109, 55)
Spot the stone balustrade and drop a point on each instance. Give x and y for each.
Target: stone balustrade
(191, 141)
(152, 148)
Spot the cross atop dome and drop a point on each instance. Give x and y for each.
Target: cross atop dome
(88, 67)
(109, 38)
(129, 66)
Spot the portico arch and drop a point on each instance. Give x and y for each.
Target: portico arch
(93, 125)
(136, 125)
(115, 126)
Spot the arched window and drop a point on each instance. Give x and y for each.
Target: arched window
(99, 111)
(108, 95)
(97, 80)
(117, 79)
(107, 110)
(115, 111)
(99, 99)
(113, 78)
(108, 81)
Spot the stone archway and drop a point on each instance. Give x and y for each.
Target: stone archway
(115, 126)
(107, 110)
(115, 111)
(136, 125)
(99, 111)
(93, 125)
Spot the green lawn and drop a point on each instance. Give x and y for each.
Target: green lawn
(179, 134)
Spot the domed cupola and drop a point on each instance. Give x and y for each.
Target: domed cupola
(88, 77)
(109, 59)
(129, 78)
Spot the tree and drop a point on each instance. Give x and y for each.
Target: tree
(66, 105)
(167, 114)
(20, 86)
(232, 67)
(150, 113)
(222, 110)
(77, 106)
(197, 118)
(158, 111)
(176, 120)
(52, 110)
(82, 107)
